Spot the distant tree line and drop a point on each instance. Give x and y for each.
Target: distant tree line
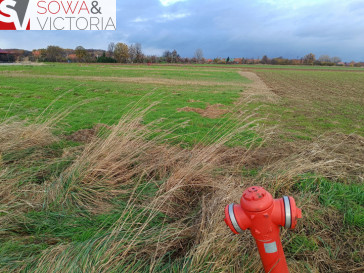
(129, 54)
(57, 54)
(309, 59)
(115, 53)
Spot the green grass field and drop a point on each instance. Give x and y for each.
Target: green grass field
(106, 99)
(104, 169)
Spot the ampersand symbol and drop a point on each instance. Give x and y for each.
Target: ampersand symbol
(95, 9)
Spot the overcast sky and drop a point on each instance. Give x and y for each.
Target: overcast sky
(221, 28)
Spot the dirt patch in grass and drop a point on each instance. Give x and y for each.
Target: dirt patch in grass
(83, 135)
(254, 158)
(87, 135)
(211, 111)
(266, 155)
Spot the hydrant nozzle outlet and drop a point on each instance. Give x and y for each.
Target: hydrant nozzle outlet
(264, 216)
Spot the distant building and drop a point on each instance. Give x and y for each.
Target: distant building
(72, 57)
(296, 61)
(252, 61)
(6, 56)
(238, 61)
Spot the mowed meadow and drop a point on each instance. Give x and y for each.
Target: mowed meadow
(128, 168)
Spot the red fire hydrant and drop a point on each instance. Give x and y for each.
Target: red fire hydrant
(264, 217)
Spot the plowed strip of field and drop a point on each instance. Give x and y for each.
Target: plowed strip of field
(145, 80)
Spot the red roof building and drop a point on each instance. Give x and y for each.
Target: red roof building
(6, 56)
(238, 60)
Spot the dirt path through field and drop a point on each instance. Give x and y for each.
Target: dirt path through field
(140, 80)
(257, 89)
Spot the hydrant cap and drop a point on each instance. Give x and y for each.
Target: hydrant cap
(256, 199)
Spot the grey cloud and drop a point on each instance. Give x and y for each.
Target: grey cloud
(235, 28)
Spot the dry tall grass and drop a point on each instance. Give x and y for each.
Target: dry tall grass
(181, 228)
(22, 134)
(15, 199)
(121, 156)
(335, 156)
(16, 135)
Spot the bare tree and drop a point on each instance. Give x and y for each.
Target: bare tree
(110, 49)
(135, 53)
(324, 59)
(132, 53)
(198, 55)
(335, 60)
(167, 55)
(265, 60)
(175, 57)
(309, 58)
(139, 56)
